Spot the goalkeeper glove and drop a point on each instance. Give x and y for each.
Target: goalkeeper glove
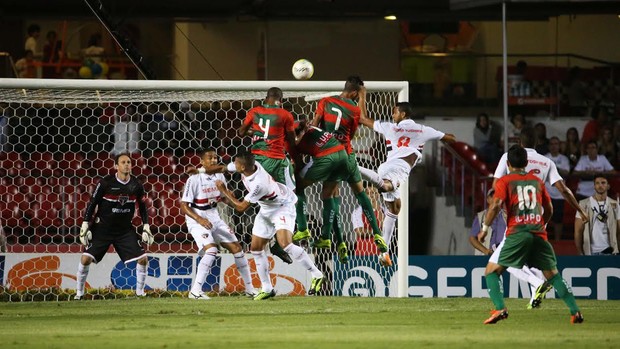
(85, 234)
(147, 236)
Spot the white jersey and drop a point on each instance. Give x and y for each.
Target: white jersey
(265, 191)
(405, 138)
(202, 195)
(540, 166)
(561, 162)
(600, 164)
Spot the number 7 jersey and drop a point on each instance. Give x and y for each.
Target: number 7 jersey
(406, 137)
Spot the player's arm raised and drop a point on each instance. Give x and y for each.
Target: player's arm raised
(239, 206)
(364, 119)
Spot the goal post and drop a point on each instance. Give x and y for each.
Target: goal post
(58, 142)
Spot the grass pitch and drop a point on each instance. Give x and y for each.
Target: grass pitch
(304, 322)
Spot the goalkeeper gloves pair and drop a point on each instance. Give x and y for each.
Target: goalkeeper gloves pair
(86, 235)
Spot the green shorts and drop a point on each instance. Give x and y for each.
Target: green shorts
(353, 174)
(280, 169)
(526, 248)
(327, 168)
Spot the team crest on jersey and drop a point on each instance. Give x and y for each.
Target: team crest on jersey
(123, 199)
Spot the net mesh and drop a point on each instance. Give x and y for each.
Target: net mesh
(56, 144)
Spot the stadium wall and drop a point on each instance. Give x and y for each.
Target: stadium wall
(594, 277)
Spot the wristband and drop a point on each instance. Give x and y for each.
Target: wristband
(485, 228)
(202, 170)
(231, 167)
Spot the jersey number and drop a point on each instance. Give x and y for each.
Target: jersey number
(403, 142)
(338, 119)
(527, 197)
(264, 129)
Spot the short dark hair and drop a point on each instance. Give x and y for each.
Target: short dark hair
(33, 28)
(353, 83)
(118, 156)
(275, 92)
(246, 157)
(405, 107)
(599, 175)
(517, 156)
(528, 137)
(204, 151)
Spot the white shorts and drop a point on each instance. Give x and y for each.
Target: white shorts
(267, 222)
(495, 256)
(397, 172)
(220, 232)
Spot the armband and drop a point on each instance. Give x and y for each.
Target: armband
(485, 228)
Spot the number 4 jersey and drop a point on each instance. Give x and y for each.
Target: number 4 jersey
(406, 137)
(524, 195)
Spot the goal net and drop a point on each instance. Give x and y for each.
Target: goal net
(59, 138)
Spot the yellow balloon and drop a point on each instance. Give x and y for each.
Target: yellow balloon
(85, 72)
(104, 68)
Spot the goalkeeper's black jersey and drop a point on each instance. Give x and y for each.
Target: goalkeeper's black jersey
(116, 204)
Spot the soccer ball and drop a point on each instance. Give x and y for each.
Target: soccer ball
(303, 69)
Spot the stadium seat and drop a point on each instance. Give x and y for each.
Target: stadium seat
(70, 164)
(11, 164)
(162, 164)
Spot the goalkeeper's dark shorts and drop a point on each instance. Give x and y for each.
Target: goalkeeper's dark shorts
(126, 244)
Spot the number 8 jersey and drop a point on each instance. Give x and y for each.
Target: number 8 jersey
(405, 138)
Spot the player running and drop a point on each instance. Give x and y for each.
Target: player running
(276, 217)
(528, 209)
(199, 203)
(404, 139)
(545, 169)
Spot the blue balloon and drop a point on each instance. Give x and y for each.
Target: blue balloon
(96, 69)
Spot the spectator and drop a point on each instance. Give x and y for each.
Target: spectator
(578, 92)
(557, 200)
(571, 147)
(94, 51)
(126, 132)
(542, 142)
(34, 31)
(51, 54)
(588, 166)
(486, 147)
(592, 130)
(602, 234)
(496, 230)
(517, 123)
(25, 66)
(607, 146)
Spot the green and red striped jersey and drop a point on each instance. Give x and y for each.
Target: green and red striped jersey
(341, 117)
(269, 124)
(317, 143)
(524, 195)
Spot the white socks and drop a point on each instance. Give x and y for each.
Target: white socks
(298, 254)
(82, 273)
(528, 275)
(389, 222)
(244, 270)
(203, 269)
(140, 279)
(262, 268)
(371, 176)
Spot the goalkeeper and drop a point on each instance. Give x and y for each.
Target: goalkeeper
(115, 198)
